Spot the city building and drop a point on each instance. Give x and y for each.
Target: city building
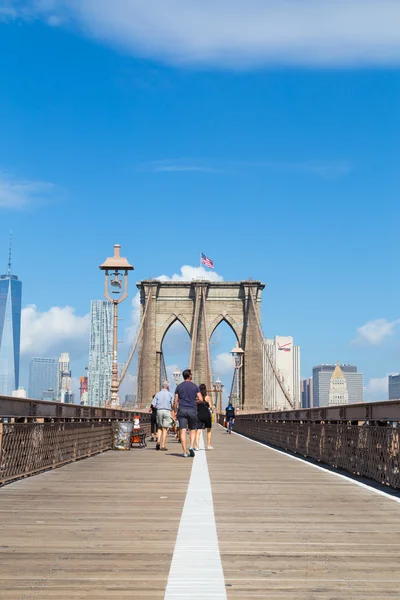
(338, 393)
(130, 401)
(43, 376)
(64, 375)
(50, 395)
(10, 330)
(83, 387)
(100, 352)
(84, 399)
(322, 379)
(67, 397)
(394, 387)
(19, 393)
(306, 387)
(286, 359)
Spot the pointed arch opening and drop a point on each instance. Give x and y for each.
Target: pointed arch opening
(174, 350)
(223, 339)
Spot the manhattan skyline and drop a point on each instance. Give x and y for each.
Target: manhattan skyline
(283, 171)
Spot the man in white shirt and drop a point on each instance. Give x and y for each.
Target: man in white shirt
(162, 401)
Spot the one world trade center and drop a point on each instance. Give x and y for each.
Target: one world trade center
(10, 330)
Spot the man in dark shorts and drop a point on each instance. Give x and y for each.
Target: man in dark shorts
(187, 395)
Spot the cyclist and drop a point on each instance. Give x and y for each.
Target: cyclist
(229, 417)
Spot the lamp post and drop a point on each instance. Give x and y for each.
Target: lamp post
(218, 386)
(237, 354)
(176, 375)
(115, 266)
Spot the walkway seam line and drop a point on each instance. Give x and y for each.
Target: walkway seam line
(327, 471)
(196, 567)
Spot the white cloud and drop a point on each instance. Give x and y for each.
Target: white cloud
(233, 33)
(19, 194)
(180, 165)
(374, 332)
(56, 330)
(331, 169)
(376, 389)
(187, 273)
(222, 364)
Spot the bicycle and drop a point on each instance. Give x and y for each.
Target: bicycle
(229, 425)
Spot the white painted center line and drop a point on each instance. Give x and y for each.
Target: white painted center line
(196, 568)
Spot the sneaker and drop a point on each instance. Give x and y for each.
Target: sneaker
(185, 455)
(164, 449)
(157, 446)
(191, 452)
(210, 448)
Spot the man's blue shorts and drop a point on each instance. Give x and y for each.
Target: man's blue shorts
(187, 418)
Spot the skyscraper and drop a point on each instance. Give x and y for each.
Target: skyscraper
(10, 330)
(43, 378)
(322, 378)
(306, 387)
(394, 387)
(100, 352)
(286, 358)
(338, 393)
(64, 375)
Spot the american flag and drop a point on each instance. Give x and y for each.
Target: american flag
(207, 261)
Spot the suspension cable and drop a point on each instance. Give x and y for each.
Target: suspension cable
(132, 352)
(209, 368)
(271, 362)
(195, 327)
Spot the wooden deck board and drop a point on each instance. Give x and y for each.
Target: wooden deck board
(105, 528)
(101, 528)
(289, 531)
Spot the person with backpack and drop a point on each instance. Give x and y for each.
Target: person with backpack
(229, 417)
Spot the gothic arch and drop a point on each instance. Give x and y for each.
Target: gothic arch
(236, 328)
(168, 324)
(200, 306)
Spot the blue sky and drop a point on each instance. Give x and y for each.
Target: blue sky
(276, 156)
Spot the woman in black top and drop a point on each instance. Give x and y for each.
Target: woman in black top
(204, 417)
(153, 422)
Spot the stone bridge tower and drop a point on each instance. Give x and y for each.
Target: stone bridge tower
(200, 306)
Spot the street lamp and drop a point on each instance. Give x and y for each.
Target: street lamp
(237, 354)
(176, 375)
(218, 385)
(112, 267)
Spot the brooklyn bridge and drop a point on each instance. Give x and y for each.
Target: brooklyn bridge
(297, 504)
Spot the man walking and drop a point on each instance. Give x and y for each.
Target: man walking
(163, 403)
(187, 395)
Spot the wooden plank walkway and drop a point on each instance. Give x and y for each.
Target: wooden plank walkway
(105, 528)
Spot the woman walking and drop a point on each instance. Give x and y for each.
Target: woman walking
(204, 417)
(153, 422)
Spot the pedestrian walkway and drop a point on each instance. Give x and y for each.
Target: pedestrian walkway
(141, 525)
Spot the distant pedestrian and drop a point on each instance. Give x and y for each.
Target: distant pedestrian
(229, 417)
(187, 395)
(204, 417)
(163, 403)
(153, 422)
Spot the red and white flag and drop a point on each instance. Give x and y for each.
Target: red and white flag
(206, 261)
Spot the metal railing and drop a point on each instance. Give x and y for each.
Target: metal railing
(29, 408)
(37, 435)
(364, 441)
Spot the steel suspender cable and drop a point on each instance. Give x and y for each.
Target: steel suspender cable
(271, 362)
(209, 369)
(126, 367)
